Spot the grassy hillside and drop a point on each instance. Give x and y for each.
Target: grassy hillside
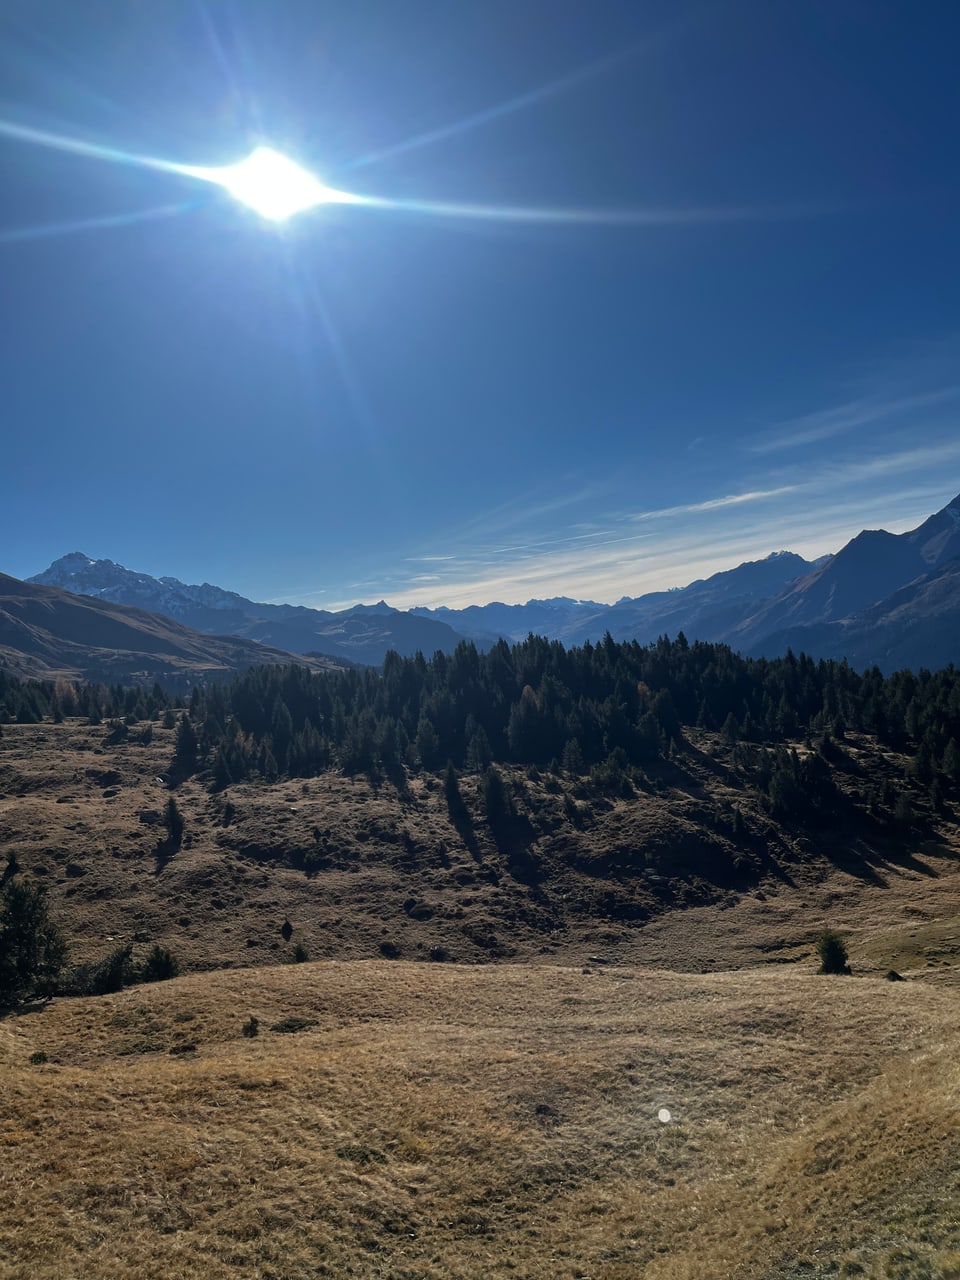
(47, 633)
(408, 1110)
(444, 1121)
(359, 871)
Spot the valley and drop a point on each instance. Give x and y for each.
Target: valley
(509, 1019)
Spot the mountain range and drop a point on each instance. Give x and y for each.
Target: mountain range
(46, 633)
(363, 634)
(891, 600)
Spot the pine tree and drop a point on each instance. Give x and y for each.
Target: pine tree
(187, 746)
(32, 949)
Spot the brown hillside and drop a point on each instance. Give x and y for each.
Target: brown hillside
(361, 871)
(444, 1121)
(46, 632)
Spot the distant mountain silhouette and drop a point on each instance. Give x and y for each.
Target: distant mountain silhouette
(363, 634)
(886, 599)
(917, 626)
(486, 623)
(862, 590)
(706, 609)
(46, 632)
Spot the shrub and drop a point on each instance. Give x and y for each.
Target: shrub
(832, 951)
(38, 1058)
(114, 973)
(288, 1026)
(456, 808)
(300, 953)
(251, 1027)
(159, 965)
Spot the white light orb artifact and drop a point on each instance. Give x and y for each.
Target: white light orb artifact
(272, 185)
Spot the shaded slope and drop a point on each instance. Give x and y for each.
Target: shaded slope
(917, 626)
(872, 566)
(364, 634)
(46, 632)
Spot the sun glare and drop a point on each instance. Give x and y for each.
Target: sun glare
(272, 185)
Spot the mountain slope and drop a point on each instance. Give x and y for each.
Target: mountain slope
(917, 626)
(363, 634)
(704, 609)
(707, 608)
(47, 632)
(872, 566)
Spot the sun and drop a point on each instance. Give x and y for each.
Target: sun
(273, 186)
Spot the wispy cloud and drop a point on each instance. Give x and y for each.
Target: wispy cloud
(679, 544)
(863, 412)
(584, 540)
(714, 504)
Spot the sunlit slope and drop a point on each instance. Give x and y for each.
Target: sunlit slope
(360, 871)
(441, 1121)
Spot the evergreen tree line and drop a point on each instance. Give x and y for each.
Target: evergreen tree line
(599, 708)
(31, 701)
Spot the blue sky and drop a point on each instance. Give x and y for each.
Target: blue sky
(750, 341)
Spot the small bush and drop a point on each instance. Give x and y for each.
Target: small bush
(159, 965)
(287, 1026)
(300, 953)
(251, 1027)
(832, 951)
(360, 1153)
(100, 977)
(38, 1058)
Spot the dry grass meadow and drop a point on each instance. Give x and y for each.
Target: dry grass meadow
(445, 1121)
(407, 1120)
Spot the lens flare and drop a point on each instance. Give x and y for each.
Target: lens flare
(272, 185)
(277, 189)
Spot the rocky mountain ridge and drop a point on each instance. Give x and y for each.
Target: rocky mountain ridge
(885, 599)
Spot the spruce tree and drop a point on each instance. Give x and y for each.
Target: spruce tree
(32, 949)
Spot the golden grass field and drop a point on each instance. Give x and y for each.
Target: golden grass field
(430, 1121)
(447, 1121)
